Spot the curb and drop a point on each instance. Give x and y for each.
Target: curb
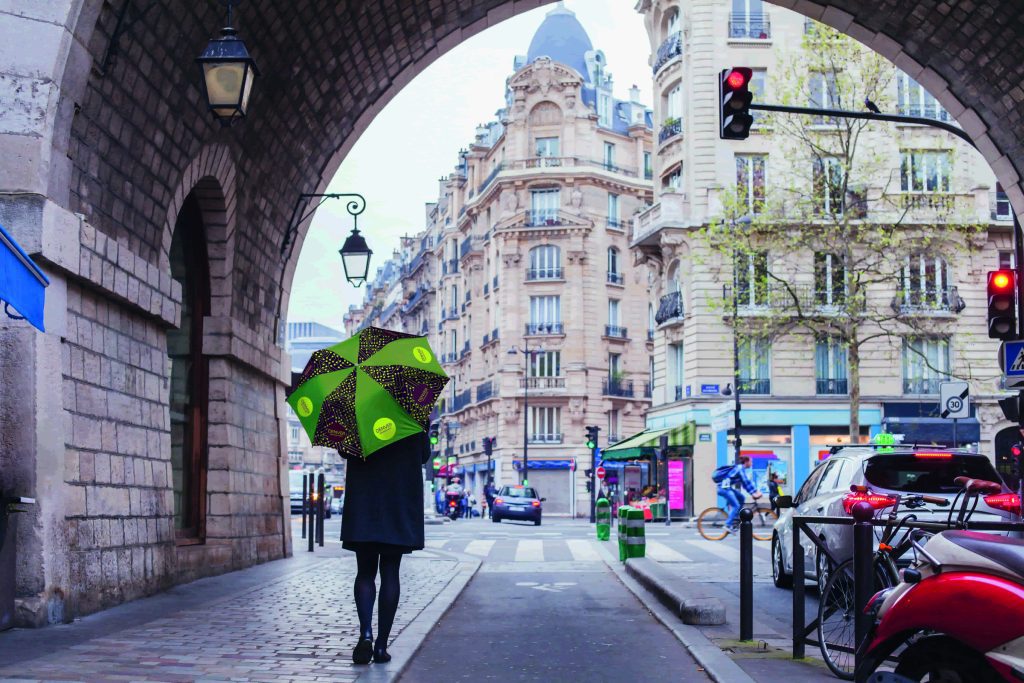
(686, 599)
(716, 664)
(411, 638)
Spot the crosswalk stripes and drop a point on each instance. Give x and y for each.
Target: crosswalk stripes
(582, 551)
(662, 553)
(479, 548)
(530, 551)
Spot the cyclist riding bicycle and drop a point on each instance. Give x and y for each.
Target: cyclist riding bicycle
(728, 478)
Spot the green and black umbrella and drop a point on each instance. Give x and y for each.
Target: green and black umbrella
(368, 391)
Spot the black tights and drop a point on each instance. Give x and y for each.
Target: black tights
(367, 563)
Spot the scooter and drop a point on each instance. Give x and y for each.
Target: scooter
(960, 609)
(453, 505)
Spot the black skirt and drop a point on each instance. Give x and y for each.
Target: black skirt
(384, 498)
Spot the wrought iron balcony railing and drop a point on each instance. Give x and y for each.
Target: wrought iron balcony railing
(544, 328)
(617, 387)
(923, 386)
(615, 278)
(542, 382)
(924, 301)
(755, 386)
(615, 331)
(484, 391)
(756, 26)
(670, 307)
(545, 438)
(671, 47)
(834, 387)
(543, 274)
(670, 129)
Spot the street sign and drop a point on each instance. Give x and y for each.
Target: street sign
(723, 416)
(600, 473)
(709, 389)
(954, 400)
(1011, 360)
(704, 437)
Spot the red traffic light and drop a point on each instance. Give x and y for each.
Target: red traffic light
(1016, 450)
(736, 79)
(1001, 279)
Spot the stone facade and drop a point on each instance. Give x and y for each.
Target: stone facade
(116, 146)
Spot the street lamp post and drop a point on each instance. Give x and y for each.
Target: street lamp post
(527, 354)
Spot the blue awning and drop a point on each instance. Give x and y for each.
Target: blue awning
(543, 464)
(22, 283)
(934, 430)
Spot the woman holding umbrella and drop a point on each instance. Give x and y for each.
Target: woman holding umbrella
(371, 397)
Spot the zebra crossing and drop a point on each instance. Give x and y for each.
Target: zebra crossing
(549, 549)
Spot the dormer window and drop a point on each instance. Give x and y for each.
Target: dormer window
(604, 110)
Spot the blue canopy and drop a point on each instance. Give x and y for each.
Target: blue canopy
(22, 283)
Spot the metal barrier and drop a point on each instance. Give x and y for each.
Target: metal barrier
(863, 522)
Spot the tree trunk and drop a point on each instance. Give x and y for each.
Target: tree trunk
(854, 380)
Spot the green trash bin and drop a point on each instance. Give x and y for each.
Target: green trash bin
(632, 542)
(603, 515)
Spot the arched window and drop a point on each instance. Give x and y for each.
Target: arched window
(675, 284)
(190, 376)
(545, 263)
(672, 21)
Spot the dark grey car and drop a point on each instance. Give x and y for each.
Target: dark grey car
(517, 502)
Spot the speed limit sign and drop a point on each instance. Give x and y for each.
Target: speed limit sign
(600, 473)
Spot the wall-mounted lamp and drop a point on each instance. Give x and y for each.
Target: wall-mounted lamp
(228, 74)
(355, 254)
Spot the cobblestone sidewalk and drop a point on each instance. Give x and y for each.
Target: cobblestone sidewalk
(301, 626)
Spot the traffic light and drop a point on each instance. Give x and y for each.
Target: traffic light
(590, 486)
(437, 463)
(488, 445)
(592, 436)
(1002, 304)
(1011, 407)
(734, 88)
(588, 473)
(433, 434)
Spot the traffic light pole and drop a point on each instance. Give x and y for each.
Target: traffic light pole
(593, 485)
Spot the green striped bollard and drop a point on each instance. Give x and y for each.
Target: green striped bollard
(603, 515)
(632, 542)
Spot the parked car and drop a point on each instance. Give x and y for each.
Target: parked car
(337, 505)
(886, 470)
(517, 502)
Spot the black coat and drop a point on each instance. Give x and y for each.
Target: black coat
(384, 498)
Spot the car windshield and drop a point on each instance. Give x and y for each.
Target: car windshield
(518, 492)
(926, 472)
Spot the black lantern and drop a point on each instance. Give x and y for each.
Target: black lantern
(228, 74)
(355, 254)
(355, 258)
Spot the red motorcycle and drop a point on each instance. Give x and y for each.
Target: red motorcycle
(960, 609)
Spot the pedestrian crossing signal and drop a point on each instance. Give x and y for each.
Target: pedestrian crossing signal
(592, 432)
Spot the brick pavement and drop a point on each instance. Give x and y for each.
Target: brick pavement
(299, 626)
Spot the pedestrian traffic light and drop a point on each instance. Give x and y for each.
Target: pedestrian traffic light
(1012, 407)
(588, 473)
(734, 88)
(488, 445)
(433, 434)
(1002, 304)
(592, 432)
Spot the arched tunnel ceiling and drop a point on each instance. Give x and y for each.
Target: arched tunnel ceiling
(329, 67)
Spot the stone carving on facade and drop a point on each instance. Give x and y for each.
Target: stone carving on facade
(576, 198)
(576, 407)
(576, 256)
(511, 259)
(509, 201)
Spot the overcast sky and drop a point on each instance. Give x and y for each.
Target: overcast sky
(414, 141)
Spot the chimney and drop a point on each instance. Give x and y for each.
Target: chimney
(634, 94)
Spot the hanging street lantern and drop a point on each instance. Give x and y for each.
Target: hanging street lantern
(228, 74)
(355, 254)
(355, 258)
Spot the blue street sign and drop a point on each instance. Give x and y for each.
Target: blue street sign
(1013, 359)
(704, 437)
(687, 390)
(709, 388)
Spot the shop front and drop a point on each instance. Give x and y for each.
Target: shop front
(554, 481)
(637, 474)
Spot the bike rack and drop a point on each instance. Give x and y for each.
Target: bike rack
(863, 555)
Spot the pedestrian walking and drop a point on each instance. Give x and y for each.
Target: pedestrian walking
(489, 493)
(383, 520)
(470, 504)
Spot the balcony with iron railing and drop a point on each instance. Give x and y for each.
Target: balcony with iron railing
(755, 386)
(542, 217)
(749, 26)
(616, 223)
(615, 332)
(494, 283)
(669, 49)
(490, 176)
(449, 314)
(669, 129)
(465, 351)
(921, 385)
(555, 438)
(462, 400)
(831, 387)
(470, 245)
(929, 302)
(533, 274)
(615, 278)
(484, 391)
(537, 329)
(617, 387)
(670, 307)
(541, 382)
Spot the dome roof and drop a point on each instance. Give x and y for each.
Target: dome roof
(562, 38)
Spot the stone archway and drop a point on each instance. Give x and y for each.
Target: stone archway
(97, 162)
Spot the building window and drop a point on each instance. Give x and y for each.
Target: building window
(925, 282)
(755, 366)
(925, 365)
(752, 279)
(830, 366)
(1007, 259)
(828, 186)
(913, 100)
(614, 365)
(545, 364)
(544, 206)
(829, 280)
(748, 20)
(671, 181)
(759, 89)
(648, 169)
(614, 276)
(674, 103)
(650, 322)
(614, 431)
(673, 21)
(614, 319)
(613, 210)
(295, 434)
(750, 180)
(545, 312)
(609, 156)
(1003, 209)
(545, 263)
(823, 94)
(924, 171)
(545, 424)
(190, 375)
(604, 109)
(547, 147)
(676, 369)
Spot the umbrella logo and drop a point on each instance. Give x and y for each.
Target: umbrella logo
(304, 407)
(384, 429)
(423, 394)
(421, 354)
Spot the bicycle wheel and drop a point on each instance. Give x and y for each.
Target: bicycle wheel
(764, 521)
(711, 524)
(837, 611)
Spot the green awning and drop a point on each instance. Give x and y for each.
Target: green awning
(643, 445)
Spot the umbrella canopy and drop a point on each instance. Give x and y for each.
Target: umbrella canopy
(368, 391)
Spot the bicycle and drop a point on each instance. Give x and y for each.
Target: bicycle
(836, 603)
(711, 522)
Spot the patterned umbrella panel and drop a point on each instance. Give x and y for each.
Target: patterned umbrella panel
(368, 391)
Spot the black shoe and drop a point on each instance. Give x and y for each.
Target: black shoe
(363, 651)
(381, 656)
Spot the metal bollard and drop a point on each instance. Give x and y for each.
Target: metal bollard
(311, 504)
(746, 574)
(304, 493)
(320, 510)
(863, 576)
(799, 612)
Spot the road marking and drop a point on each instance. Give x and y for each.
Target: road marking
(436, 542)
(530, 551)
(582, 551)
(479, 548)
(726, 552)
(556, 587)
(662, 553)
